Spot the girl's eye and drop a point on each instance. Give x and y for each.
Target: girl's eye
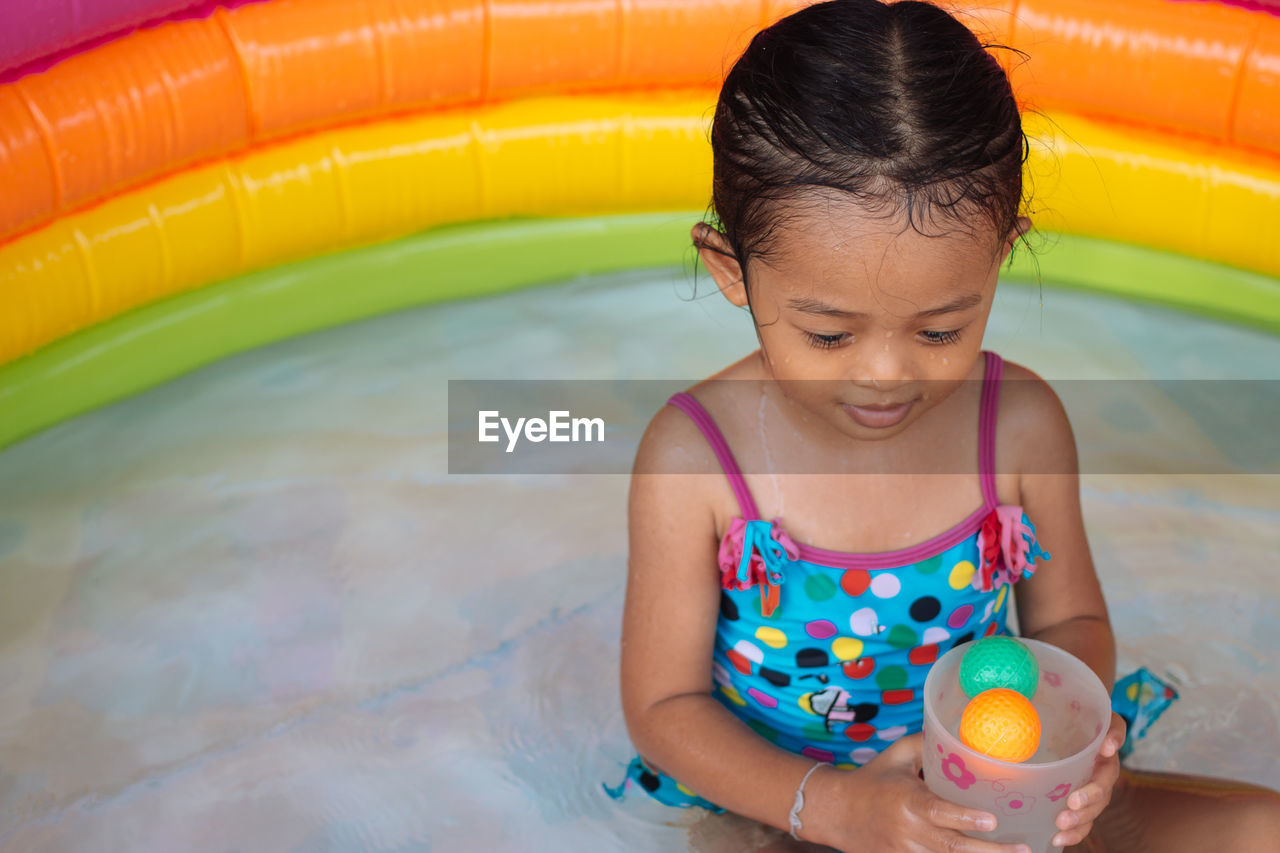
(824, 341)
(942, 337)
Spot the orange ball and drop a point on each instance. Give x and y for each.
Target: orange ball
(1001, 723)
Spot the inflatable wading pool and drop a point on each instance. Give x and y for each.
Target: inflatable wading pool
(249, 609)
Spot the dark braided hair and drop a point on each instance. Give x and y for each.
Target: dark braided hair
(897, 105)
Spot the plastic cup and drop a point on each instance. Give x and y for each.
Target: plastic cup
(1075, 714)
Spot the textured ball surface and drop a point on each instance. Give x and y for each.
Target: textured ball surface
(999, 662)
(1001, 723)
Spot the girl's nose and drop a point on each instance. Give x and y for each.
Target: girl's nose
(882, 366)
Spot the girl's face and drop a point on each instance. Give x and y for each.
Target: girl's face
(882, 322)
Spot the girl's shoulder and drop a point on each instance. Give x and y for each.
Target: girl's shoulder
(1033, 432)
(673, 442)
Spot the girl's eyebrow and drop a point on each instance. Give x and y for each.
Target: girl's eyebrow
(809, 305)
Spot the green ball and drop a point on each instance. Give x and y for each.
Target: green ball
(999, 662)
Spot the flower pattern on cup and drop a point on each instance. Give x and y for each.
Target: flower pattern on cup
(953, 768)
(1015, 803)
(1053, 679)
(1059, 792)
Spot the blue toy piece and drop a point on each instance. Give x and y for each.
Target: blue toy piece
(1140, 697)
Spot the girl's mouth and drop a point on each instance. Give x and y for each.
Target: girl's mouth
(878, 417)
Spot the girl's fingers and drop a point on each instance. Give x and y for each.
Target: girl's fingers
(1083, 796)
(1067, 837)
(947, 815)
(1092, 795)
(965, 844)
(1071, 819)
(1087, 802)
(1115, 736)
(1093, 799)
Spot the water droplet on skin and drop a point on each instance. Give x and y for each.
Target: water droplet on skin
(768, 457)
(945, 360)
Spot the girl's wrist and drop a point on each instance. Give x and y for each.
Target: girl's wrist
(822, 800)
(796, 823)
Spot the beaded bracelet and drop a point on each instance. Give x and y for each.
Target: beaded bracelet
(794, 817)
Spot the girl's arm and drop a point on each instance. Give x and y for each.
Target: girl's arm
(668, 631)
(1062, 602)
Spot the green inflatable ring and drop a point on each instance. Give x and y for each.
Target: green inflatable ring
(166, 339)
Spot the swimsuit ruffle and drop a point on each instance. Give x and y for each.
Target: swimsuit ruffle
(753, 553)
(1007, 549)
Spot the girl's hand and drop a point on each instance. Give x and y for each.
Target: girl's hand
(1087, 802)
(885, 806)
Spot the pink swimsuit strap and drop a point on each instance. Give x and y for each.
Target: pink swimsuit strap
(715, 438)
(989, 403)
(992, 373)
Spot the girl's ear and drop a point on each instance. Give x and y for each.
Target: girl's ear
(1020, 227)
(717, 256)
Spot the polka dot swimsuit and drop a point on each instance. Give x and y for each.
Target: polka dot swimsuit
(825, 653)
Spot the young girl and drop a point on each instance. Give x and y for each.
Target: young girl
(780, 622)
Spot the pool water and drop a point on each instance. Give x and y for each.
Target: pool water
(250, 610)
